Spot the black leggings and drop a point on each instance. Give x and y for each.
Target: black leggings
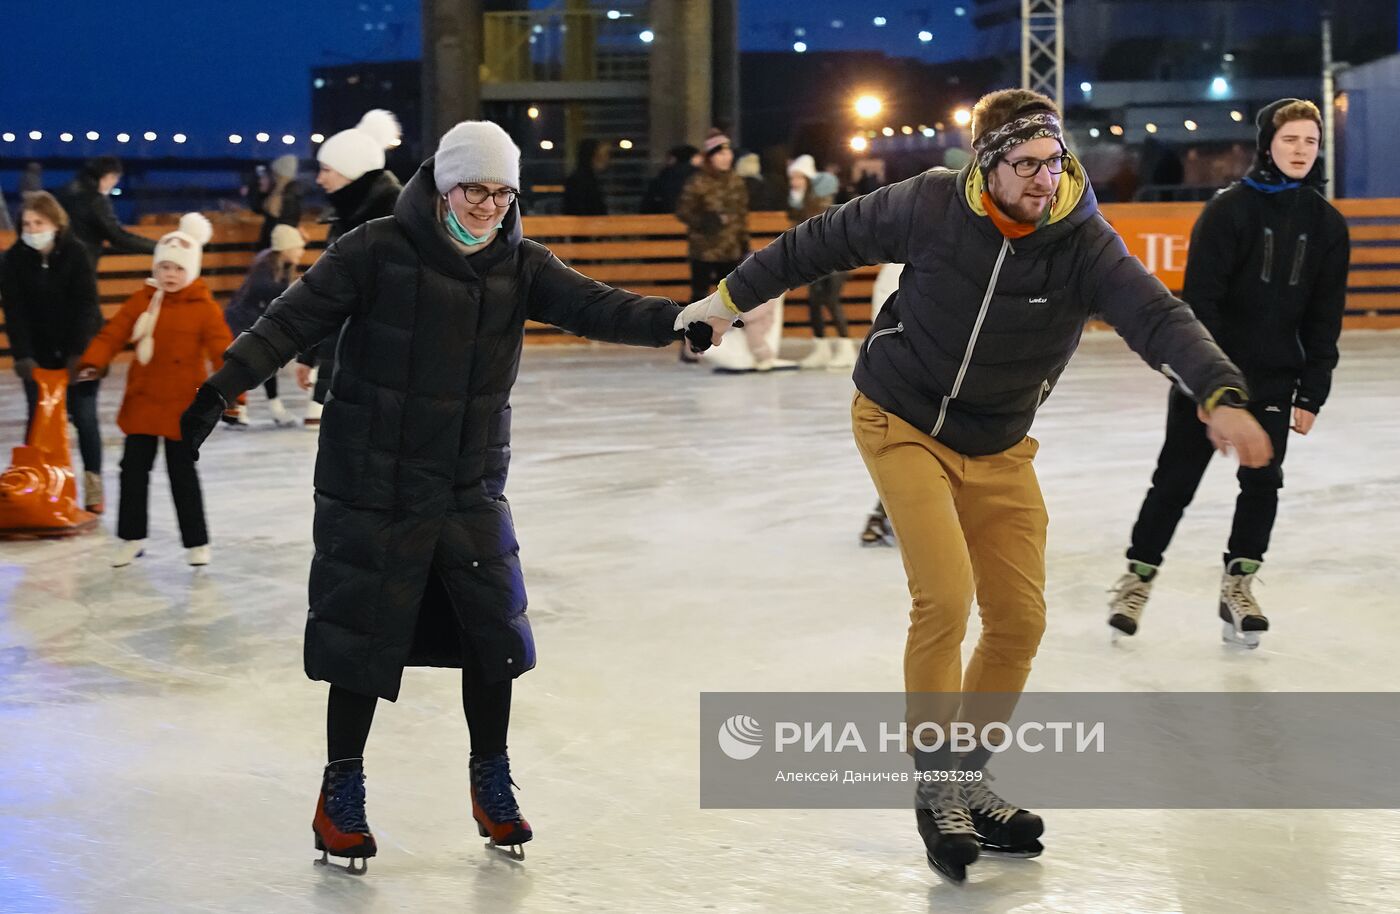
(270, 387)
(486, 705)
(825, 295)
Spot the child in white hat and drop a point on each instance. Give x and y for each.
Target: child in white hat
(176, 329)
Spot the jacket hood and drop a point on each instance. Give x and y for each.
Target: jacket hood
(416, 212)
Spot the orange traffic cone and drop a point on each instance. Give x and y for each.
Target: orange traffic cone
(39, 492)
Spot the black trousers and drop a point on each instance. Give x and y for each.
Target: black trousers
(1185, 454)
(486, 705)
(137, 460)
(706, 274)
(82, 409)
(824, 295)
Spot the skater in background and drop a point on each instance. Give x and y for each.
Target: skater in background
(664, 191)
(359, 188)
(416, 557)
(583, 189)
(810, 194)
(272, 272)
(277, 198)
(715, 208)
(88, 202)
(1267, 275)
(878, 531)
(948, 385)
(177, 330)
(49, 294)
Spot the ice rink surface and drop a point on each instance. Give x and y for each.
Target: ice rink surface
(160, 748)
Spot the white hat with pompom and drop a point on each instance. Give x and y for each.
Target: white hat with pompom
(185, 245)
(360, 150)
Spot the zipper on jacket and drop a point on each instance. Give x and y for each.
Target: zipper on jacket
(1299, 253)
(1267, 272)
(1044, 391)
(897, 328)
(972, 341)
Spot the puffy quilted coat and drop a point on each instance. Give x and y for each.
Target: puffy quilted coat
(413, 532)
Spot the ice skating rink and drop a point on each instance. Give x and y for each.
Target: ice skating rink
(160, 748)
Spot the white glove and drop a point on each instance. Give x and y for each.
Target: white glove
(712, 306)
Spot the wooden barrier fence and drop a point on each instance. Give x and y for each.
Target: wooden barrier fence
(647, 254)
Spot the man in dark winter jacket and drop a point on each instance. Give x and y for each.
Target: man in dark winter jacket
(416, 556)
(1267, 274)
(89, 205)
(664, 191)
(1005, 262)
(583, 190)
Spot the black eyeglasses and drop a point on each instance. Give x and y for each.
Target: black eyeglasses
(477, 193)
(1029, 168)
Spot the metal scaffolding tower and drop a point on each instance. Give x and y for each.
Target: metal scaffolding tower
(1043, 48)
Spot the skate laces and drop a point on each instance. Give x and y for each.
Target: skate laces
(950, 813)
(493, 788)
(984, 800)
(1239, 594)
(1130, 595)
(345, 800)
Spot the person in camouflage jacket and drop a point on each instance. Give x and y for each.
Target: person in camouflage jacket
(715, 208)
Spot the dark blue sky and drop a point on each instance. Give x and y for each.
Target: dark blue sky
(210, 68)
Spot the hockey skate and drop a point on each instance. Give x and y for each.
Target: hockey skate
(1130, 599)
(339, 825)
(1242, 621)
(1003, 830)
(878, 531)
(494, 808)
(945, 824)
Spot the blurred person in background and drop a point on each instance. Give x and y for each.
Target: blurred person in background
(87, 199)
(272, 272)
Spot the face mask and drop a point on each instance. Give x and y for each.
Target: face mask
(795, 198)
(458, 231)
(38, 240)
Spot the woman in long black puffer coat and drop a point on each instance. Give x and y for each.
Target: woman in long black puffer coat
(416, 557)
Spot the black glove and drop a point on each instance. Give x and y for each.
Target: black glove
(700, 336)
(25, 369)
(199, 420)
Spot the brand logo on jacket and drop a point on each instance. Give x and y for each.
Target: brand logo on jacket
(1039, 301)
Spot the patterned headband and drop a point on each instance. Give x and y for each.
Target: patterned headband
(994, 144)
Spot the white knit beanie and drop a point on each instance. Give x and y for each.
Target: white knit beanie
(287, 237)
(285, 166)
(360, 149)
(185, 245)
(474, 152)
(803, 165)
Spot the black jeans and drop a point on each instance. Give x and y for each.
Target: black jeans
(1185, 454)
(485, 704)
(825, 295)
(82, 409)
(137, 460)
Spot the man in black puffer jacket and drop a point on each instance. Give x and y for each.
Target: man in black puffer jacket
(1267, 274)
(1005, 262)
(416, 557)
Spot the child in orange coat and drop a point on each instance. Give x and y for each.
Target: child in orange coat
(179, 333)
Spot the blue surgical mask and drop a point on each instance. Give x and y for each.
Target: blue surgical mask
(458, 231)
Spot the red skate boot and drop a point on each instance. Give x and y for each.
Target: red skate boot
(339, 825)
(493, 805)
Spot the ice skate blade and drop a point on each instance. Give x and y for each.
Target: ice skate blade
(1030, 851)
(515, 852)
(1248, 640)
(349, 867)
(952, 873)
